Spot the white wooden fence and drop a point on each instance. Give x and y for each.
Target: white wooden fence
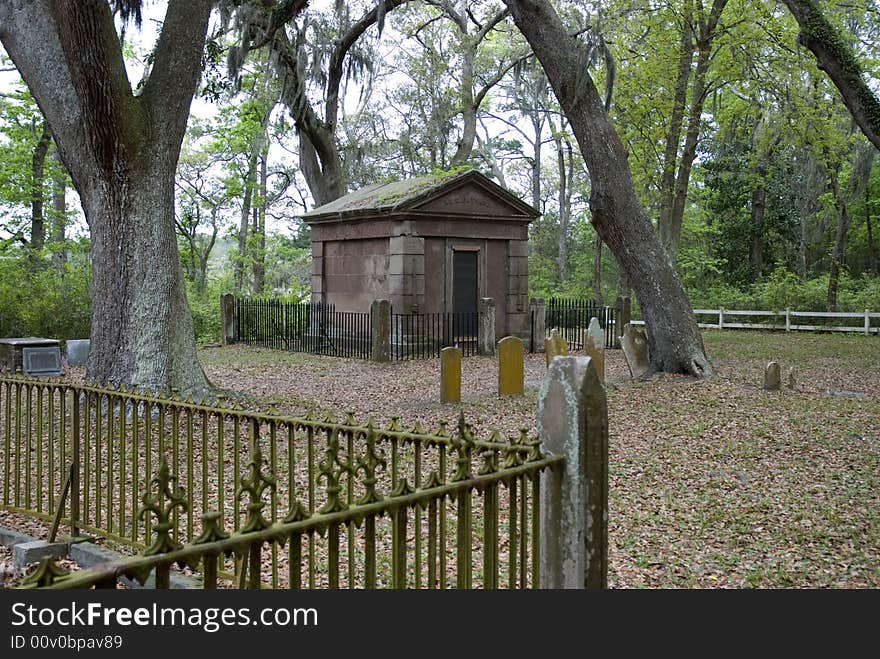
(791, 320)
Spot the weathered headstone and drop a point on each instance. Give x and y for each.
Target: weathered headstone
(772, 376)
(380, 319)
(510, 366)
(573, 421)
(555, 346)
(624, 313)
(450, 375)
(635, 349)
(791, 378)
(227, 318)
(594, 346)
(486, 341)
(77, 351)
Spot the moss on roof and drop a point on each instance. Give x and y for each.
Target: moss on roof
(389, 195)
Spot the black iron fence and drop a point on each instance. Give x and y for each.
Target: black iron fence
(424, 335)
(571, 318)
(314, 328)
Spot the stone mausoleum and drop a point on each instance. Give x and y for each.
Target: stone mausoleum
(430, 244)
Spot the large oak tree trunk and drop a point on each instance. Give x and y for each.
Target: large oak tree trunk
(142, 330)
(121, 151)
(674, 339)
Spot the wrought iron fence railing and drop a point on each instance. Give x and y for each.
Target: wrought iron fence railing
(313, 328)
(424, 335)
(571, 318)
(306, 502)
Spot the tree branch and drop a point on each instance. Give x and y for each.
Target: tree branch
(837, 60)
(490, 25)
(177, 66)
(337, 59)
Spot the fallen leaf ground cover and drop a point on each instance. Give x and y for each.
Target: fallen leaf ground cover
(714, 483)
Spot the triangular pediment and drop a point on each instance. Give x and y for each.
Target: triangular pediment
(469, 199)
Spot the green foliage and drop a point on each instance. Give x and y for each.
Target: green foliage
(783, 290)
(204, 304)
(36, 299)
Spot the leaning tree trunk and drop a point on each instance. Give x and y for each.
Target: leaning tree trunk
(673, 336)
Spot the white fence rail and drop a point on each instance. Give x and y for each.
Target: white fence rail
(791, 320)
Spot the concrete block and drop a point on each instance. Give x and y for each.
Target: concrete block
(25, 553)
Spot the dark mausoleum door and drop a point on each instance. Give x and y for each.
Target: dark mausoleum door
(465, 291)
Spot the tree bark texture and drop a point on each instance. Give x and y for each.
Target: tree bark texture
(121, 151)
(259, 257)
(674, 339)
(250, 180)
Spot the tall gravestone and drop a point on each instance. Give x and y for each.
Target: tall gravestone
(450, 375)
(624, 314)
(227, 315)
(594, 346)
(511, 374)
(573, 421)
(486, 330)
(380, 325)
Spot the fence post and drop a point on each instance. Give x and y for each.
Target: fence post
(867, 322)
(227, 327)
(486, 327)
(787, 319)
(721, 319)
(538, 314)
(573, 422)
(380, 331)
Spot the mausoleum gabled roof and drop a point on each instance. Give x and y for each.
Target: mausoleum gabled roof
(462, 194)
